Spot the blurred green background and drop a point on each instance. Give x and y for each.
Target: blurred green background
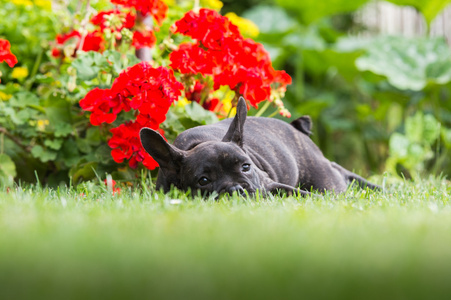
(378, 102)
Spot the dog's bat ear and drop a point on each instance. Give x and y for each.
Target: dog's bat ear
(165, 154)
(303, 124)
(235, 132)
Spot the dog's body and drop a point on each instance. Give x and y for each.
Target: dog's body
(237, 155)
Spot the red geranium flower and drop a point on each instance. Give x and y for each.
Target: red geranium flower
(5, 53)
(200, 93)
(93, 41)
(127, 146)
(191, 58)
(99, 102)
(127, 20)
(156, 8)
(221, 51)
(143, 39)
(150, 91)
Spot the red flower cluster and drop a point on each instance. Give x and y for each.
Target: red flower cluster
(126, 145)
(115, 21)
(150, 91)
(156, 8)
(221, 51)
(127, 20)
(144, 39)
(141, 38)
(199, 92)
(5, 53)
(93, 41)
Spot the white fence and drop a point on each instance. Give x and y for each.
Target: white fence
(386, 18)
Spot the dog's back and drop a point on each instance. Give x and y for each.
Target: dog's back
(285, 153)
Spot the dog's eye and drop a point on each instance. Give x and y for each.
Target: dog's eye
(246, 167)
(203, 181)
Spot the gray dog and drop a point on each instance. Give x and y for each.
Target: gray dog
(242, 155)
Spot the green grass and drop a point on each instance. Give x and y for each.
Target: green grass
(58, 244)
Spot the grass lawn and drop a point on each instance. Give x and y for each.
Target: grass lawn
(59, 244)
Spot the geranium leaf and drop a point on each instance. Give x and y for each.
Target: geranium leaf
(44, 155)
(87, 65)
(54, 144)
(197, 113)
(408, 63)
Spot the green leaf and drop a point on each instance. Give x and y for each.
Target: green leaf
(43, 154)
(23, 99)
(416, 155)
(173, 122)
(103, 154)
(63, 129)
(57, 109)
(131, 60)
(398, 145)
(7, 169)
(270, 19)
(431, 129)
(414, 128)
(54, 144)
(87, 65)
(408, 63)
(83, 145)
(69, 152)
(197, 113)
(15, 117)
(113, 60)
(422, 129)
(310, 11)
(93, 136)
(429, 8)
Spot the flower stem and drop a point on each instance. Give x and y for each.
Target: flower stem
(274, 113)
(262, 110)
(30, 81)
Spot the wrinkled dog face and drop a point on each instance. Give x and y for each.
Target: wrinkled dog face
(221, 167)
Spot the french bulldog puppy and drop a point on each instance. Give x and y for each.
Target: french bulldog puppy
(245, 155)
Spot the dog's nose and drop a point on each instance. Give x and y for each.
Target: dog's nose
(236, 188)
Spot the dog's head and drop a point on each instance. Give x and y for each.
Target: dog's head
(213, 166)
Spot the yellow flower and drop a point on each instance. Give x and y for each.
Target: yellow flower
(213, 4)
(4, 96)
(170, 2)
(44, 4)
(182, 102)
(247, 27)
(41, 124)
(22, 2)
(227, 107)
(19, 73)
